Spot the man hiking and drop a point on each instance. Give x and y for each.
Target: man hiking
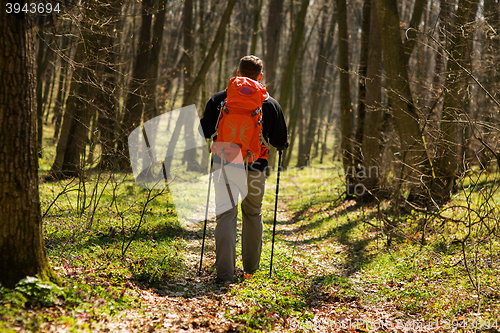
(235, 132)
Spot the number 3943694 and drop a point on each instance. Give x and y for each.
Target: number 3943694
(32, 8)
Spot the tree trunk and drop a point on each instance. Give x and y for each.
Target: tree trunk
(416, 167)
(134, 106)
(411, 41)
(295, 112)
(150, 110)
(203, 51)
(190, 93)
(274, 22)
(82, 99)
(62, 167)
(189, 154)
(373, 116)
(289, 70)
(257, 6)
(22, 251)
(362, 68)
(345, 97)
(447, 164)
(60, 97)
(325, 42)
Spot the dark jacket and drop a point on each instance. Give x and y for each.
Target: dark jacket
(273, 125)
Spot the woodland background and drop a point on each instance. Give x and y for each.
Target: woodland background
(408, 87)
(397, 98)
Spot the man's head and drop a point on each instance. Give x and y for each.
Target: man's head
(250, 66)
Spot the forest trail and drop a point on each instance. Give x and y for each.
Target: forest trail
(198, 304)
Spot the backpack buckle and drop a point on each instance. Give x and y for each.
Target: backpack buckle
(223, 105)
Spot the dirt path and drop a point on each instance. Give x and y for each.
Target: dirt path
(198, 304)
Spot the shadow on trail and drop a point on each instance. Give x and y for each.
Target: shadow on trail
(343, 234)
(85, 239)
(328, 289)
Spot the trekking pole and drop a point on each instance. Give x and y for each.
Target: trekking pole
(275, 211)
(206, 212)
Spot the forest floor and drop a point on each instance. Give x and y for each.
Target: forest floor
(336, 268)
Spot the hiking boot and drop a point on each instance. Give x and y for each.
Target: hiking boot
(223, 282)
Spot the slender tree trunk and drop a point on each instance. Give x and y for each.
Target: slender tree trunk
(150, 110)
(325, 42)
(293, 52)
(447, 165)
(22, 250)
(324, 144)
(48, 95)
(190, 154)
(43, 60)
(72, 114)
(221, 61)
(257, 7)
(190, 93)
(60, 97)
(295, 112)
(289, 70)
(362, 68)
(411, 41)
(274, 22)
(373, 116)
(345, 98)
(134, 106)
(203, 51)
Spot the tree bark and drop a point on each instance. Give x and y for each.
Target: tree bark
(190, 94)
(411, 41)
(447, 164)
(150, 110)
(257, 6)
(345, 97)
(416, 167)
(295, 112)
(373, 116)
(84, 97)
(134, 106)
(325, 43)
(273, 30)
(22, 251)
(362, 69)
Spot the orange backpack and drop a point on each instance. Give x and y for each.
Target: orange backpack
(239, 127)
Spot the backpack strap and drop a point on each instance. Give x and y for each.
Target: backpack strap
(222, 105)
(229, 192)
(264, 141)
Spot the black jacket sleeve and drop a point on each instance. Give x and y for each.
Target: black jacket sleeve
(274, 125)
(211, 115)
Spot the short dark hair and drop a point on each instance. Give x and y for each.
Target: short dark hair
(250, 66)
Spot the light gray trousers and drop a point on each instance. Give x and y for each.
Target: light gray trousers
(225, 230)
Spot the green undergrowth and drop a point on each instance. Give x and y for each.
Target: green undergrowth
(332, 258)
(435, 265)
(106, 243)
